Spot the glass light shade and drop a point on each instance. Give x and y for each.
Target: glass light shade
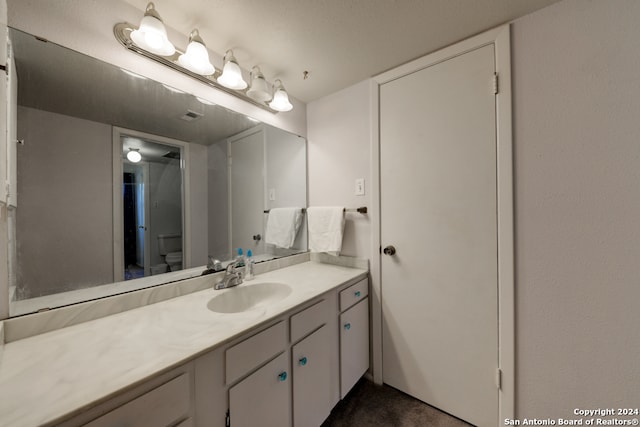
(152, 36)
(259, 90)
(196, 58)
(231, 76)
(133, 156)
(280, 98)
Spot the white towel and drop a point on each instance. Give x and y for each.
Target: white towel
(282, 226)
(326, 226)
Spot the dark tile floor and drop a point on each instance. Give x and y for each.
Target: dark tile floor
(371, 405)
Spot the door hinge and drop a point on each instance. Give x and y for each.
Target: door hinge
(499, 379)
(495, 84)
(227, 419)
(4, 68)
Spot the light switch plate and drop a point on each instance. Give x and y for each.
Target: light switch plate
(360, 187)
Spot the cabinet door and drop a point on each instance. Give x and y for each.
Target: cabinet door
(264, 397)
(354, 345)
(311, 379)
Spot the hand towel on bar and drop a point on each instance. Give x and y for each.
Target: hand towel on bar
(282, 226)
(326, 226)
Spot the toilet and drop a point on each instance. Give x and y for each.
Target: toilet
(170, 246)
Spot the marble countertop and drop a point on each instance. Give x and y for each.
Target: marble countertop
(48, 377)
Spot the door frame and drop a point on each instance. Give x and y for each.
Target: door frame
(500, 38)
(118, 249)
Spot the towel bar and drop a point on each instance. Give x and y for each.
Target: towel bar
(362, 210)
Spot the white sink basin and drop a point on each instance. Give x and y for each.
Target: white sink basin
(249, 297)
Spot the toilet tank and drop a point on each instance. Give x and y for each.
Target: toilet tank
(168, 243)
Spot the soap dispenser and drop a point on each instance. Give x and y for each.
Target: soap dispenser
(248, 272)
(240, 261)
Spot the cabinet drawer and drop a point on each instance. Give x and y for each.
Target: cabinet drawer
(353, 294)
(309, 320)
(162, 406)
(242, 358)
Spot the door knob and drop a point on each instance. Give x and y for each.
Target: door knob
(389, 250)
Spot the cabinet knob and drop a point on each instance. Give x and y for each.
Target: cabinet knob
(347, 326)
(282, 376)
(358, 294)
(389, 250)
(302, 361)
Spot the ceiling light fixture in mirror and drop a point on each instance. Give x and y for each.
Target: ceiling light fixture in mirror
(150, 40)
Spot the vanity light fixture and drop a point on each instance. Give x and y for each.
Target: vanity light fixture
(152, 36)
(150, 40)
(231, 76)
(196, 58)
(259, 89)
(134, 155)
(280, 98)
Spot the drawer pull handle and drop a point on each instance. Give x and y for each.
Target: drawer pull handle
(282, 376)
(302, 361)
(358, 294)
(347, 326)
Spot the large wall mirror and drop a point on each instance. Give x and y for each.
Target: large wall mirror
(93, 220)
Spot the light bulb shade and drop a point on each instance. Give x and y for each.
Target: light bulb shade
(151, 35)
(259, 90)
(133, 156)
(231, 76)
(280, 98)
(196, 58)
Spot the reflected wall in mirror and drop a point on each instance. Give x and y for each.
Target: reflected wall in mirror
(75, 115)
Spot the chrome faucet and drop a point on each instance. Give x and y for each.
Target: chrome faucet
(233, 276)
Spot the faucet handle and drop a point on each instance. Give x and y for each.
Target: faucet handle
(214, 264)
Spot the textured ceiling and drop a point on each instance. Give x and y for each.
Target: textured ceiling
(340, 42)
(60, 80)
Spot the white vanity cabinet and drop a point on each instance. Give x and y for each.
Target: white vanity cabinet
(286, 374)
(187, 365)
(354, 335)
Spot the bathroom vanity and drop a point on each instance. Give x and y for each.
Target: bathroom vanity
(272, 360)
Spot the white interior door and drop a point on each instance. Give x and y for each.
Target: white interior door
(438, 209)
(247, 193)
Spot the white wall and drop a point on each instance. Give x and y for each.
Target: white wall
(87, 26)
(576, 86)
(286, 160)
(339, 134)
(576, 109)
(65, 212)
